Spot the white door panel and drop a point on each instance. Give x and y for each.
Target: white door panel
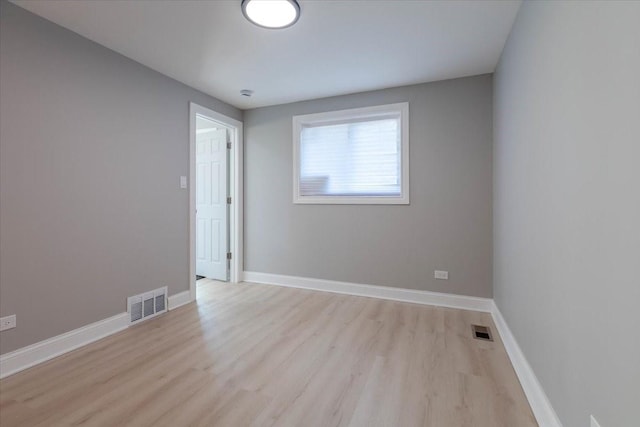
(211, 204)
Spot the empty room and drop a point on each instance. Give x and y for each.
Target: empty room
(388, 213)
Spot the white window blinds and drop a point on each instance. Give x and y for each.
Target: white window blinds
(357, 158)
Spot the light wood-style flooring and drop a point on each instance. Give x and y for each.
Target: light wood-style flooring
(258, 355)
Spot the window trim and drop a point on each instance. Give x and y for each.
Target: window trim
(330, 117)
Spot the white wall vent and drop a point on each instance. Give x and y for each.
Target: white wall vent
(147, 305)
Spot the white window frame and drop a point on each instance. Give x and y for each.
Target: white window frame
(327, 118)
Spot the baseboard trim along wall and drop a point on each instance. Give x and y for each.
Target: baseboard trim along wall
(42, 351)
(178, 300)
(538, 400)
(373, 291)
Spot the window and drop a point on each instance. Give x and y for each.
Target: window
(358, 156)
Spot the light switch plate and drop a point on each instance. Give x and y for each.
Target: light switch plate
(183, 182)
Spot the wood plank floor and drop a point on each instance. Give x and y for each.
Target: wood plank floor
(257, 355)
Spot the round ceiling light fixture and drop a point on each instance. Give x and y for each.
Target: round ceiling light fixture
(272, 14)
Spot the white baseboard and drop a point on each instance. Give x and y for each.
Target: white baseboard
(373, 291)
(179, 300)
(42, 351)
(538, 400)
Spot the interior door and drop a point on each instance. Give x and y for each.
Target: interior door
(212, 218)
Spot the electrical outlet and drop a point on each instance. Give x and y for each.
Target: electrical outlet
(442, 275)
(8, 322)
(594, 423)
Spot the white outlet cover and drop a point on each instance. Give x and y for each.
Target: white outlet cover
(183, 182)
(594, 423)
(8, 322)
(442, 275)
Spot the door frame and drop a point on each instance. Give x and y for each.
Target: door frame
(235, 192)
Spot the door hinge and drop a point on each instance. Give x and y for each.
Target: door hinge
(228, 200)
(229, 145)
(228, 255)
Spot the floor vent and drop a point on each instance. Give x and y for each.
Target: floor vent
(147, 305)
(481, 332)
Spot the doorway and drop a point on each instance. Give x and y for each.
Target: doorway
(212, 195)
(215, 171)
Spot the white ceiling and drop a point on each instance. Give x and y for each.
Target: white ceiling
(337, 47)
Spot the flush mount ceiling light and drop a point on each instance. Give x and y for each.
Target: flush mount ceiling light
(271, 13)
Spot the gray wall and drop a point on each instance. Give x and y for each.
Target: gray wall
(567, 203)
(447, 225)
(92, 147)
